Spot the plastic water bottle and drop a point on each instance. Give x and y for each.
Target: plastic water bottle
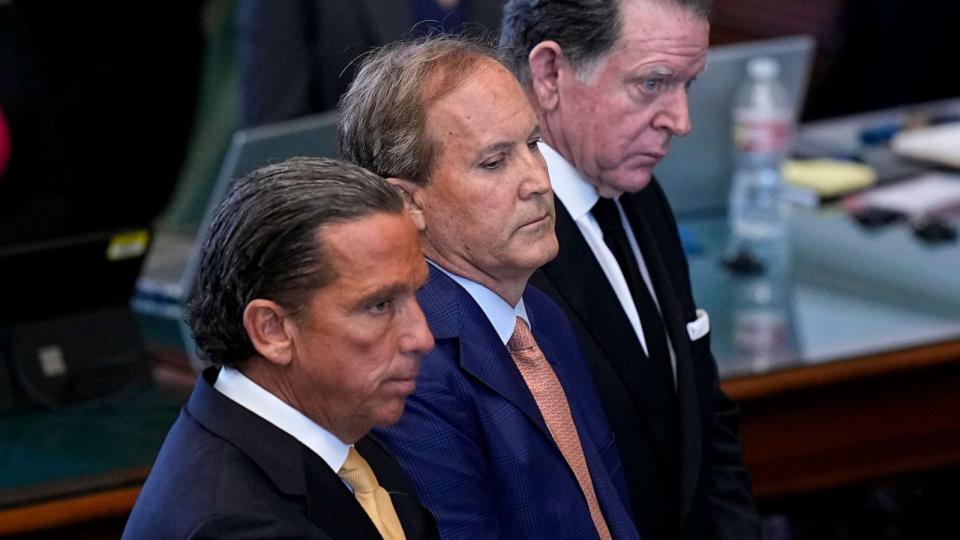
(758, 251)
(762, 125)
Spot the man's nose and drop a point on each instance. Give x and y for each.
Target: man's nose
(675, 115)
(535, 177)
(418, 338)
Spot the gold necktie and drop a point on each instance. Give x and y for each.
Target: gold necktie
(552, 402)
(372, 497)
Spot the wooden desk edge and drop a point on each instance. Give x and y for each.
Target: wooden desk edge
(765, 385)
(68, 511)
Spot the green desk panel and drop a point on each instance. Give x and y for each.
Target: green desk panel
(84, 441)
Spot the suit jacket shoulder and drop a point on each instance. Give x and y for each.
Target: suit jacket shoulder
(228, 473)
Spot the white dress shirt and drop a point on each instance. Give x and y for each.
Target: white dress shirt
(501, 314)
(251, 396)
(578, 196)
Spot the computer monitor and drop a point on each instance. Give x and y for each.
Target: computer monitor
(170, 276)
(250, 149)
(66, 330)
(697, 171)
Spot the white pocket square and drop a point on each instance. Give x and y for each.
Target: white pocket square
(700, 327)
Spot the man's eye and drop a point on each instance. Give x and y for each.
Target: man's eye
(653, 85)
(381, 307)
(688, 84)
(493, 164)
(534, 144)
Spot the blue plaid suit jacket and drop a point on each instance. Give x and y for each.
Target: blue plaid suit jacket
(472, 439)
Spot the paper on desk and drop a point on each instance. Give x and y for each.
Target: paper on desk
(939, 144)
(829, 177)
(929, 194)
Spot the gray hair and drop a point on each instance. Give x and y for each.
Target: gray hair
(383, 115)
(264, 243)
(584, 29)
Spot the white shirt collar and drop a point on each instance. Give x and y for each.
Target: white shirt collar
(577, 194)
(251, 396)
(501, 314)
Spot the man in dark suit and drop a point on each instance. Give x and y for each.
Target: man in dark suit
(504, 437)
(608, 80)
(297, 57)
(306, 303)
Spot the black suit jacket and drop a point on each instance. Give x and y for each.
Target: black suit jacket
(224, 472)
(704, 492)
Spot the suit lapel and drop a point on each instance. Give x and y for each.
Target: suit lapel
(293, 468)
(416, 520)
(272, 449)
(597, 307)
(453, 314)
(676, 322)
(331, 505)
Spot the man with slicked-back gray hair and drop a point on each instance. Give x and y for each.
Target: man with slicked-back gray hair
(608, 79)
(306, 306)
(504, 436)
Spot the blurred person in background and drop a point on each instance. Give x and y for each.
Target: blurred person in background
(297, 57)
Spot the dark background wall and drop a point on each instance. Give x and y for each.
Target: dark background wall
(871, 54)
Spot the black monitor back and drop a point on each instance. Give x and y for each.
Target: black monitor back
(66, 331)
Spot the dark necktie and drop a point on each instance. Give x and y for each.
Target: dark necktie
(608, 217)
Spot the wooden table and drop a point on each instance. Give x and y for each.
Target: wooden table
(873, 388)
(865, 419)
(76, 501)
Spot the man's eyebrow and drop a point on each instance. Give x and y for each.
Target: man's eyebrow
(379, 295)
(505, 146)
(496, 148)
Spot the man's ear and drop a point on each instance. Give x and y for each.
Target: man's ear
(412, 193)
(546, 59)
(270, 329)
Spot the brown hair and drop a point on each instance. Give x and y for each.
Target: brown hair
(383, 115)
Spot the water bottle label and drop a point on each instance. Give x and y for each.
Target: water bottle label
(762, 135)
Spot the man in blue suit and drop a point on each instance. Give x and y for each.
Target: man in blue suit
(504, 435)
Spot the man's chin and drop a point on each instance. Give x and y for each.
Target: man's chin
(390, 417)
(620, 182)
(545, 250)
